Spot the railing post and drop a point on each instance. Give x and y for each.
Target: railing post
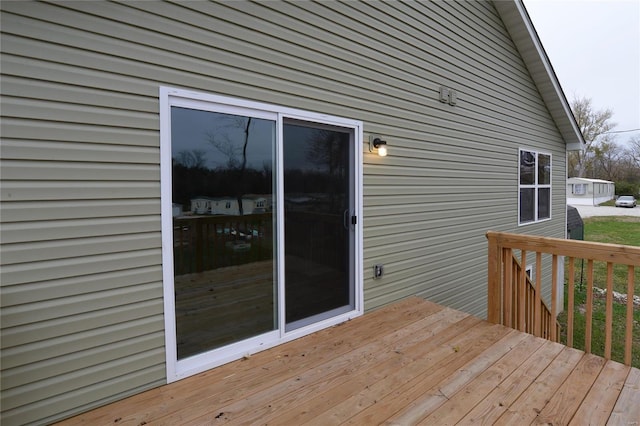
(494, 296)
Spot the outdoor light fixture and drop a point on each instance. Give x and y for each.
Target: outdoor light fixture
(379, 144)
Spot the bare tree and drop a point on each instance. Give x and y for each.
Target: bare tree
(594, 126)
(608, 161)
(633, 151)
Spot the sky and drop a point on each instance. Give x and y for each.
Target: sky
(594, 48)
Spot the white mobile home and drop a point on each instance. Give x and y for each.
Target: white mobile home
(112, 112)
(589, 192)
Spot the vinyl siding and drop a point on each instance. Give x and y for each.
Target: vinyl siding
(82, 319)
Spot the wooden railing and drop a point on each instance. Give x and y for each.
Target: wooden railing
(515, 301)
(208, 242)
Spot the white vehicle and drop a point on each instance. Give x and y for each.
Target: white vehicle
(626, 201)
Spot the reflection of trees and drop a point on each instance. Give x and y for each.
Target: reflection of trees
(189, 183)
(195, 158)
(224, 170)
(326, 149)
(191, 177)
(223, 143)
(329, 151)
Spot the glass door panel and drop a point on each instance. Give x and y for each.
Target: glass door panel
(223, 227)
(317, 222)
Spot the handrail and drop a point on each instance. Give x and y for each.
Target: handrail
(508, 285)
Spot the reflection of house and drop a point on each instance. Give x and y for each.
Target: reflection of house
(456, 89)
(589, 192)
(202, 205)
(228, 206)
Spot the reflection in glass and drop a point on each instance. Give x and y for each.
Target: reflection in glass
(223, 225)
(544, 169)
(317, 215)
(527, 168)
(544, 203)
(527, 204)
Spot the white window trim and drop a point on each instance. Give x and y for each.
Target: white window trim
(536, 186)
(169, 97)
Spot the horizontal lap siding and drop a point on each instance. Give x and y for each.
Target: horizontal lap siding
(429, 203)
(82, 319)
(81, 236)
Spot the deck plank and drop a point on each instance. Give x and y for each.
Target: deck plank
(312, 362)
(434, 395)
(599, 402)
(368, 386)
(498, 400)
(526, 408)
(566, 401)
(627, 409)
(426, 374)
(407, 363)
(229, 382)
(337, 375)
(466, 398)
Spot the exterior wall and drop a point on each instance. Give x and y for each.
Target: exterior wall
(82, 320)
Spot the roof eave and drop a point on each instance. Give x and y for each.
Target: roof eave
(519, 25)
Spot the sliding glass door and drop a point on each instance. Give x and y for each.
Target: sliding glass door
(224, 234)
(260, 227)
(318, 216)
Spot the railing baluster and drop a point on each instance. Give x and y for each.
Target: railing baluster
(522, 282)
(608, 319)
(538, 303)
(628, 334)
(570, 302)
(514, 300)
(530, 309)
(508, 290)
(554, 295)
(589, 307)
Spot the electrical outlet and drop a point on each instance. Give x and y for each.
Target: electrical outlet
(378, 271)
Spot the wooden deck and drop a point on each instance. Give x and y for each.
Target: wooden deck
(412, 362)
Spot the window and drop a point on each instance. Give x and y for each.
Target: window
(283, 257)
(579, 188)
(534, 184)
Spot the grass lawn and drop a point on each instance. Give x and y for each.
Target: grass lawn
(616, 230)
(613, 229)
